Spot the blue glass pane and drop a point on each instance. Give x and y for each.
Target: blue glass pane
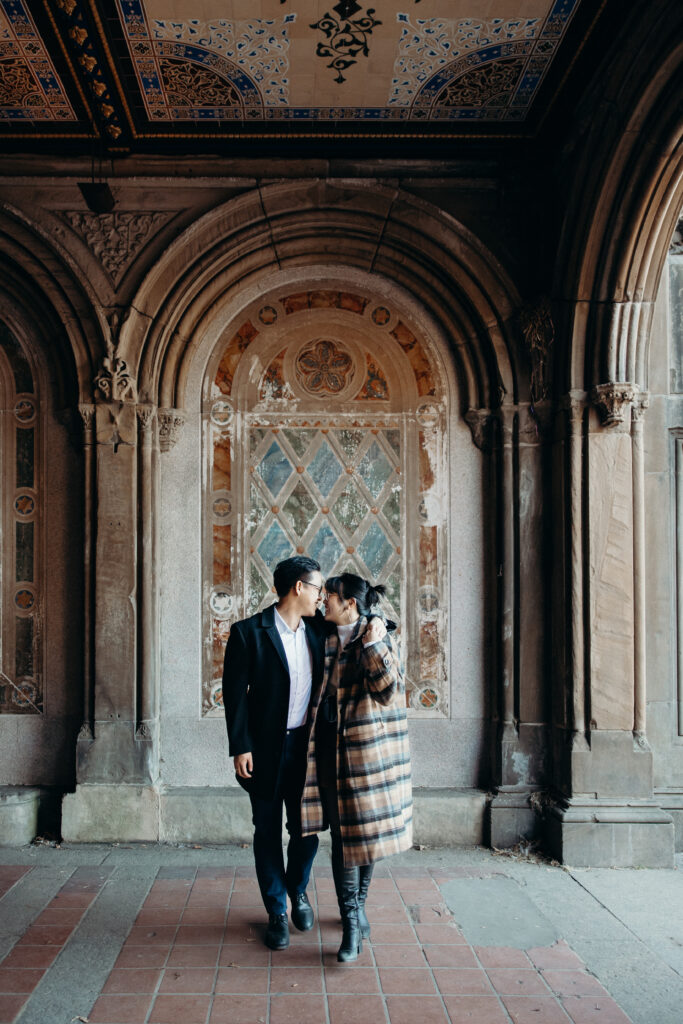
(325, 469)
(326, 549)
(274, 546)
(374, 469)
(375, 549)
(275, 469)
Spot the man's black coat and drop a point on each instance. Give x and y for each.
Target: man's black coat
(256, 692)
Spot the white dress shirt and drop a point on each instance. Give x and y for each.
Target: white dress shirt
(300, 663)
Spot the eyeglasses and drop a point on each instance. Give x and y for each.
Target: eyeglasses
(318, 588)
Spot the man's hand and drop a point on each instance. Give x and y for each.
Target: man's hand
(375, 630)
(244, 765)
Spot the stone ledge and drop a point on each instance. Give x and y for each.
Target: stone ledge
(102, 813)
(600, 834)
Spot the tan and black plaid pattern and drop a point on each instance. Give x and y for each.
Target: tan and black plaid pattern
(373, 755)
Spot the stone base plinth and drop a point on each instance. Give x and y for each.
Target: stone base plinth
(101, 814)
(510, 819)
(109, 814)
(19, 806)
(671, 801)
(585, 832)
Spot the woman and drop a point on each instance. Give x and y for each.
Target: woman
(358, 770)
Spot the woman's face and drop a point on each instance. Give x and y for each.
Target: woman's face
(338, 611)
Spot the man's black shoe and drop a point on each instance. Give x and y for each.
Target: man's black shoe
(277, 932)
(302, 912)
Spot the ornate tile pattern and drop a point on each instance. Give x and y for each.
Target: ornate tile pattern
(30, 88)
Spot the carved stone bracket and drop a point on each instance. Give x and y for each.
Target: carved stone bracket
(145, 416)
(613, 401)
(641, 402)
(480, 422)
(170, 423)
(114, 382)
(87, 413)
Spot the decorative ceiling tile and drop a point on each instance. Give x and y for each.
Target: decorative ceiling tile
(115, 239)
(30, 88)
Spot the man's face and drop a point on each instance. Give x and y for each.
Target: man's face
(309, 595)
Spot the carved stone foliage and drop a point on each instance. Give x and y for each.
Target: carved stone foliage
(170, 424)
(539, 332)
(613, 401)
(115, 239)
(114, 382)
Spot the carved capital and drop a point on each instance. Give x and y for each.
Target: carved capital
(85, 733)
(480, 423)
(613, 401)
(170, 423)
(87, 413)
(574, 404)
(641, 402)
(114, 382)
(145, 415)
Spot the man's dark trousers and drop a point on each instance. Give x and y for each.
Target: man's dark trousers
(274, 882)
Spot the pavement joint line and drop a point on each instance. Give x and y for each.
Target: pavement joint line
(69, 988)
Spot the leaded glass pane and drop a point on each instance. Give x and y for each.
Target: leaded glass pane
(258, 510)
(392, 509)
(350, 441)
(326, 549)
(300, 509)
(255, 437)
(374, 469)
(350, 508)
(258, 588)
(325, 469)
(299, 439)
(23, 661)
(375, 549)
(275, 469)
(274, 546)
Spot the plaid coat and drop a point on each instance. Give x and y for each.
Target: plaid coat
(373, 757)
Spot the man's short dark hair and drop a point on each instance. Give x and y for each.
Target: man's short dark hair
(286, 574)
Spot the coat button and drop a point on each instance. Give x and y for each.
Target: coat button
(387, 661)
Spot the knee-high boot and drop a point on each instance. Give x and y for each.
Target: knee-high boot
(365, 876)
(346, 883)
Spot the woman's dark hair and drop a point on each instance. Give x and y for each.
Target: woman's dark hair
(349, 585)
(286, 573)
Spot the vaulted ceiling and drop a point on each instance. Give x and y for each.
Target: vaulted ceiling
(198, 75)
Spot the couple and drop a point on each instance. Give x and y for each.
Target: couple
(316, 717)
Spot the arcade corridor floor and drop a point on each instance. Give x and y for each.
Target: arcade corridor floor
(165, 934)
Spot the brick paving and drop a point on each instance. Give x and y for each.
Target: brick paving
(194, 955)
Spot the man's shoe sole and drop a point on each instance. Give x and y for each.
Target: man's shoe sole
(272, 945)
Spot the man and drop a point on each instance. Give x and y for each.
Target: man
(271, 662)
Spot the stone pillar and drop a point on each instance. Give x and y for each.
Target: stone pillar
(607, 814)
(118, 752)
(523, 736)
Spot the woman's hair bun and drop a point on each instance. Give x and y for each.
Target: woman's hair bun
(374, 593)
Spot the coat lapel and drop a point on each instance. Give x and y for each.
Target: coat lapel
(268, 623)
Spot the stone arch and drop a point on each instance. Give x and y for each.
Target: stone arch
(372, 228)
(39, 291)
(626, 200)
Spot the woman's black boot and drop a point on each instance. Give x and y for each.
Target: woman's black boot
(365, 873)
(352, 940)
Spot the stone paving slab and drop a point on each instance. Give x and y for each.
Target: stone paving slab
(156, 935)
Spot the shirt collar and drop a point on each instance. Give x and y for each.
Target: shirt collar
(283, 628)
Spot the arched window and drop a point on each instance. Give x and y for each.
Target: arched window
(21, 685)
(325, 419)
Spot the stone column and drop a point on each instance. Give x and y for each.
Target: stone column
(115, 797)
(640, 404)
(85, 735)
(147, 708)
(608, 815)
(524, 602)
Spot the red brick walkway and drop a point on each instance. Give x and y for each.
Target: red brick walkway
(195, 955)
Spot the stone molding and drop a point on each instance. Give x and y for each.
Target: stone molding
(613, 401)
(171, 422)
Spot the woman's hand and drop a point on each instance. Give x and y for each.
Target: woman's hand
(244, 765)
(374, 631)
